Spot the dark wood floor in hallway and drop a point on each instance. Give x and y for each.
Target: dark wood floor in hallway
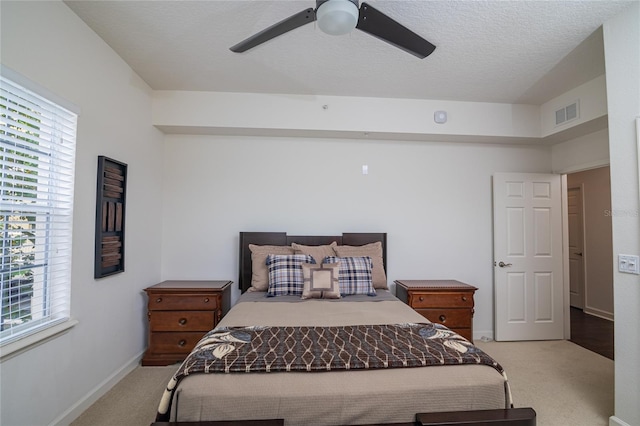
(591, 332)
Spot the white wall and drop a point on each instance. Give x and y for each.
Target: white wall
(47, 43)
(592, 103)
(433, 200)
(622, 60)
(585, 152)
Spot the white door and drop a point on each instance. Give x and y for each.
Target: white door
(576, 247)
(528, 272)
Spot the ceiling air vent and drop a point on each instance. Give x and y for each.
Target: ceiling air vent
(568, 113)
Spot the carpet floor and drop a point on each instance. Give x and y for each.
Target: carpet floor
(565, 383)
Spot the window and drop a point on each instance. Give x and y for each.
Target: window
(37, 161)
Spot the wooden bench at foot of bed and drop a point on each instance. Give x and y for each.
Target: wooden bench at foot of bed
(272, 422)
(508, 417)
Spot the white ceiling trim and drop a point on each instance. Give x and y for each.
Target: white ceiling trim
(254, 114)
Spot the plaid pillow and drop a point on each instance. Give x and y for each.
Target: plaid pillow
(355, 274)
(285, 273)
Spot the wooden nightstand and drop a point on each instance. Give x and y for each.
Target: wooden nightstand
(180, 313)
(446, 302)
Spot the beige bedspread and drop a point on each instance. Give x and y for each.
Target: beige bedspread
(336, 397)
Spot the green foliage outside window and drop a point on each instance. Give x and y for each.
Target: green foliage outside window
(17, 233)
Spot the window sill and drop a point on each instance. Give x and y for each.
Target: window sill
(10, 350)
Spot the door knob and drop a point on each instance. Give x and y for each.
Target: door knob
(503, 265)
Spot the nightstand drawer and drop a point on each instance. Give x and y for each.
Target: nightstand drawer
(452, 318)
(181, 320)
(174, 343)
(173, 302)
(420, 299)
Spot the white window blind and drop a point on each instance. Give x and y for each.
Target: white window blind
(37, 161)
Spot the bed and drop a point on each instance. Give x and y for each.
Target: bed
(361, 390)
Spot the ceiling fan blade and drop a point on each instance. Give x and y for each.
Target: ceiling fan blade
(286, 25)
(376, 23)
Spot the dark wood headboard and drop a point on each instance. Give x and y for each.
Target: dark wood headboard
(282, 239)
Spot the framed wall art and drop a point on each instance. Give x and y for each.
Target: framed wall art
(111, 199)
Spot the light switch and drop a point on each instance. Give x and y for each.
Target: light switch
(365, 169)
(629, 264)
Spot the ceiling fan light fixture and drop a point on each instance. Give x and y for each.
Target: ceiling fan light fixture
(337, 17)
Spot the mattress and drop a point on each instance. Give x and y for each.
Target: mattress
(334, 397)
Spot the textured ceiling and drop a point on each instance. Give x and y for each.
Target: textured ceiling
(487, 51)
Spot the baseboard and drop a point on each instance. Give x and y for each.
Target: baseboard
(614, 421)
(92, 396)
(598, 313)
(483, 335)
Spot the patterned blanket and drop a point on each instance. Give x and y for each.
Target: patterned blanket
(277, 349)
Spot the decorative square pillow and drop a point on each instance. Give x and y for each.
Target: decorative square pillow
(285, 273)
(317, 252)
(374, 251)
(259, 271)
(321, 281)
(355, 275)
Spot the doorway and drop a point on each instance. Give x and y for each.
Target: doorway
(591, 260)
(576, 247)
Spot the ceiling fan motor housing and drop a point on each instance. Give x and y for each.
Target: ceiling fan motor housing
(319, 2)
(337, 17)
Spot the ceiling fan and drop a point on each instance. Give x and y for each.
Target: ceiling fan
(338, 17)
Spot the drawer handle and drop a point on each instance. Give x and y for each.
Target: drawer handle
(159, 299)
(182, 321)
(182, 342)
(206, 300)
(464, 298)
(421, 298)
(443, 318)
